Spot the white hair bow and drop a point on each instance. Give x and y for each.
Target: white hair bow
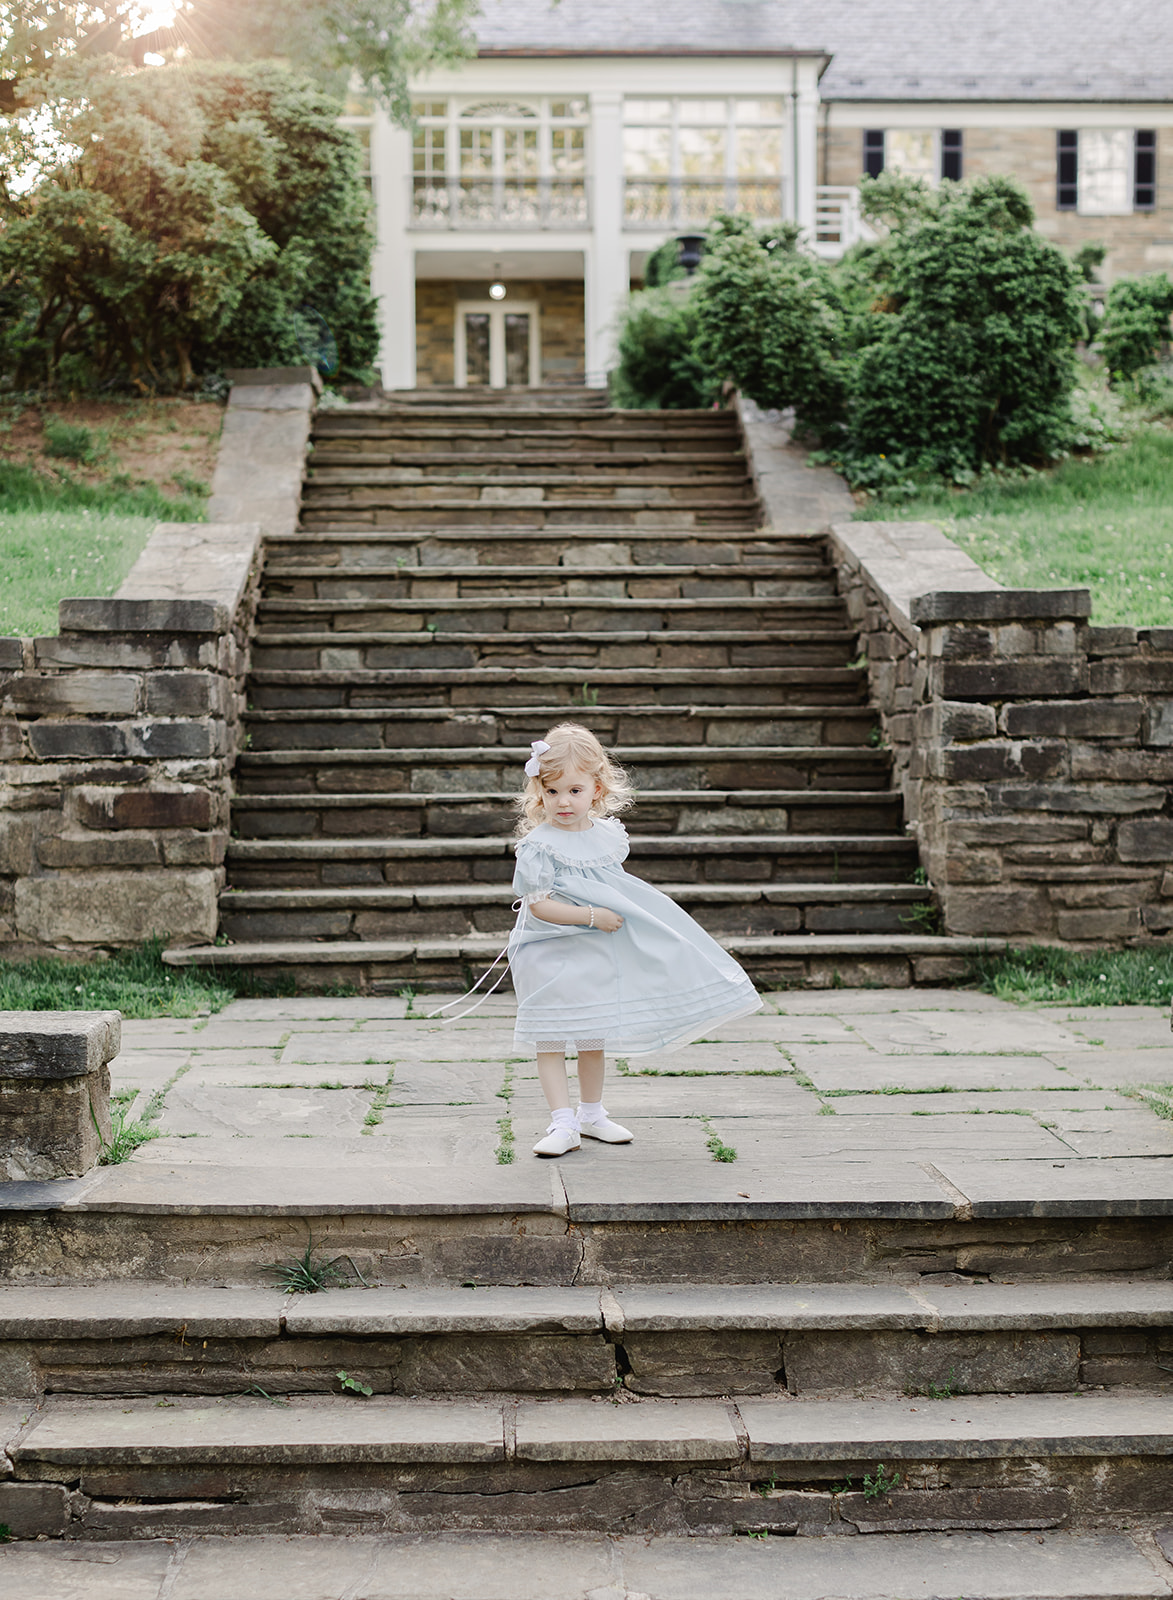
(533, 766)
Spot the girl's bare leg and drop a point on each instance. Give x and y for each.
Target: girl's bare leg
(591, 1064)
(552, 1077)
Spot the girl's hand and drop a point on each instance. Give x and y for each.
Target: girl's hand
(607, 920)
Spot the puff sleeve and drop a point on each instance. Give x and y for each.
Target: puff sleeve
(533, 876)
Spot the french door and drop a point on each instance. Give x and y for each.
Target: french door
(497, 345)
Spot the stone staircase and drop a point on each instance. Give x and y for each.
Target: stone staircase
(469, 571)
(159, 1408)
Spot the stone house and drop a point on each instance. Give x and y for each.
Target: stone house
(517, 212)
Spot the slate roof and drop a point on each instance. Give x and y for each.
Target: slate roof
(880, 49)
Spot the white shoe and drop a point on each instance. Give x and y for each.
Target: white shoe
(558, 1141)
(606, 1130)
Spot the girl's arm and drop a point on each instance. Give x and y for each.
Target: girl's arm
(568, 916)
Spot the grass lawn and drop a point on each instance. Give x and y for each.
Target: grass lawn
(1043, 973)
(134, 982)
(1104, 523)
(81, 487)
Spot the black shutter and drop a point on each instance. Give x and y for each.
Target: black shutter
(1144, 188)
(1067, 169)
(951, 154)
(873, 151)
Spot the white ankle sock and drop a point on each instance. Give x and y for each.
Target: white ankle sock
(592, 1111)
(563, 1118)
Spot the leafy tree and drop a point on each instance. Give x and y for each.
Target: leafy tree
(1136, 323)
(196, 209)
(383, 42)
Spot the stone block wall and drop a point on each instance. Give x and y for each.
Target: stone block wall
(1138, 242)
(118, 734)
(561, 315)
(117, 738)
(1034, 750)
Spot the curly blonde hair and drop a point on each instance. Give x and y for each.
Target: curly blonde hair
(574, 748)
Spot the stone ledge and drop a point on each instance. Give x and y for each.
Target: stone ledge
(186, 561)
(992, 603)
(57, 1044)
(139, 615)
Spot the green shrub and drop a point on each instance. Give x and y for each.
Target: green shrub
(72, 441)
(968, 358)
(1136, 323)
(768, 320)
(659, 369)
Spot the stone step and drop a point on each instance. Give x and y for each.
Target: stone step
(531, 469)
(426, 770)
(480, 1565)
(538, 613)
(386, 966)
(607, 518)
(469, 910)
(518, 546)
(627, 582)
(804, 1339)
(675, 858)
(680, 650)
(374, 727)
(464, 687)
(374, 489)
(724, 456)
(150, 1467)
(469, 814)
(454, 422)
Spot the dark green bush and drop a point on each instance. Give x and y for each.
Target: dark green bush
(969, 356)
(659, 369)
(1136, 323)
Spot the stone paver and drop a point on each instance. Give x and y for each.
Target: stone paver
(464, 1566)
(831, 1069)
(829, 1098)
(656, 1430)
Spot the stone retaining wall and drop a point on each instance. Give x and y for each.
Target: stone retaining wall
(1034, 749)
(118, 735)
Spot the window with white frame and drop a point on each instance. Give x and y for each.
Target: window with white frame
(685, 158)
(928, 153)
(1105, 172)
(500, 163)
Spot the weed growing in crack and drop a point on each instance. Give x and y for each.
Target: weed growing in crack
(352, 1385)
(717, 1148)
(879, 1483)
(304, 1275)
(379, 1102)
(505, 1152)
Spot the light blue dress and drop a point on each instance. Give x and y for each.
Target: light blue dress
(658, 983)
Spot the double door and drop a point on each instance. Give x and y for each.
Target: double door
(497, 344)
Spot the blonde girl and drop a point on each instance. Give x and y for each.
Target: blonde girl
(602, 962)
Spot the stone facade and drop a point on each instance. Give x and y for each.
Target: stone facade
(1138, 242)
(1035, 751)
(562, 326)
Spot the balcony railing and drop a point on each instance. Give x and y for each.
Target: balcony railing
(838, 224)
(499, 203)
(681, 203)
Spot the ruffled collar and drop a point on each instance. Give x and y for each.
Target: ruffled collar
(600, 845)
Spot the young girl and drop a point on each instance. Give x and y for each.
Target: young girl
(601, 961)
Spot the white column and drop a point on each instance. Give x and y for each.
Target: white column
(393, 269)
(806, 128)
(606, 265)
